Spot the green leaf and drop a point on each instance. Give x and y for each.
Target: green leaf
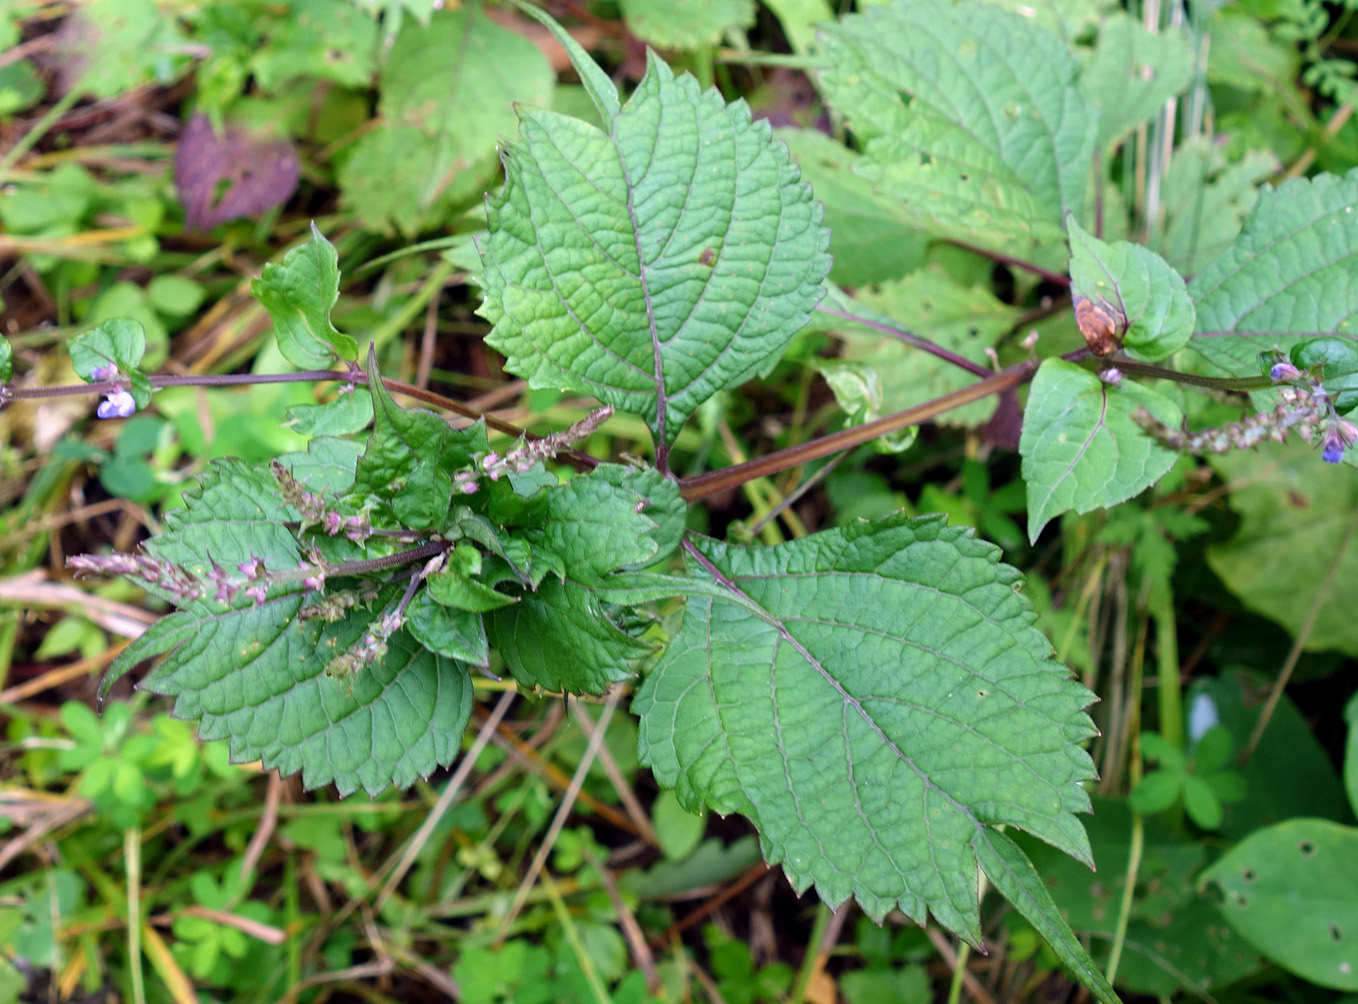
(256, 677)
(969, 116)
(1201, 802)
(560, 639)
(1132, 73)
(457, 634)
(1010, 871)
(1206, 200)
(1157, 791)
(965, 320)
(6, 361)
(679, 830)
(118, 342)
(872, 238)
(1286, 276)
(686, 24)
(448, 91)
(411, 456)
(1287, 750)
(595, 527)
(1351, 753)
(299, 294)
(1174, 941)
(1296, 522)
(1288, 890)
(610, 270)
(1137, 287)
(330, 39)
(349, 412)
(873, 698)
(1081, 449)
(798, 19)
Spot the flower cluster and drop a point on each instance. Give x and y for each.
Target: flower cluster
(172, 580)
(1304, 407)
(314, 510)
(369, 650)
(527, 452)
(118, 403)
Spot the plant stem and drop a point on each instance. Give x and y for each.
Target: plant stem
(1004, 259)
(132, 864)
(9, 393)
(703, 485)
(1193, 379)
(1170, 686)
(910, 338)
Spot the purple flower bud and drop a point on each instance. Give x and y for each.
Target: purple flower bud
(1283, 371)
(333, 522)
(102, 373)
(468, 487)
(118, 405)
(250, 569)
(489, 461)
(1111, 376)
(257, 594)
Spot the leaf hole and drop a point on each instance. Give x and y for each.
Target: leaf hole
(1307, 848)
(925, 160)
(1242, 901)
(982, 693)
(1336, 933)
(964, 177)
(1248, 875)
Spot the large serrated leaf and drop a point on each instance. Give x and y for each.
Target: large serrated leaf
(1081, 450)
(256, 677)
(559, 638)
(970, 118)
(656, 263)
(411, 457)
(873, 698)
(873, 238)
(1287, 276)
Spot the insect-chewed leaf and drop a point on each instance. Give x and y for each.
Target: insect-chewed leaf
(874, 698)
(654, 263)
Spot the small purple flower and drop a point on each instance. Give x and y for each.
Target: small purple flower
(257, 594)
(250, 569)
(119, 404)
(1283, 371)
(468, 487)
(101, 373)
(333, 522)
(1111, 376)
(1334, 448)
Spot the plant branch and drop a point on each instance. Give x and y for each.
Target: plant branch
(10, 393)
(1004, 259)
(702, 485)
(1211, 383)
(910, 338)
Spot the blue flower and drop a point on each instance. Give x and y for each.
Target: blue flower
(118, 404)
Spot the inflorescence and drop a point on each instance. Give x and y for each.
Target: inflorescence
(1304, 407)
